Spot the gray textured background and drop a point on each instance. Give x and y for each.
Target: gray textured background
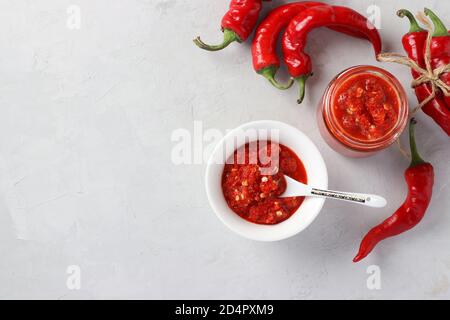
(86, 178)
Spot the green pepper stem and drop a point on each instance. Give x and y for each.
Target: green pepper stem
(229, 37)
(415, 27)
(302, 87)
(269, 74)
(440, 30)
(416, 158)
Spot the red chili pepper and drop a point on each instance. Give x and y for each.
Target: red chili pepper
(440, 49)
(414, 40)
(420, 179)
(265, 58)
(294, 39)
(414, 44)
(237, 24)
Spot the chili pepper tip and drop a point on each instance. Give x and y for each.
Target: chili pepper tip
(368, 243)
(364, 251)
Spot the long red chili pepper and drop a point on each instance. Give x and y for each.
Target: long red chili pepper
(420, 179)
(294, 39)
(414, 44)
(265, 58)
(440, 49)
(237, 24)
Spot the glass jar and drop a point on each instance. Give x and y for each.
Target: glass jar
(341, 140)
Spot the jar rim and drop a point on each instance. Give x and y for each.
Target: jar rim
(346, 139)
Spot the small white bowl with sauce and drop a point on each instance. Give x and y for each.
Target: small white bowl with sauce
(288, 136)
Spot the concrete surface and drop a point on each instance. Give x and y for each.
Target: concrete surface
(88, 106)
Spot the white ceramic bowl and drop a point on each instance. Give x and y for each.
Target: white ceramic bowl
(299, 143)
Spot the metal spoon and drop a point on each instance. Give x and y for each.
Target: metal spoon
(297, 189)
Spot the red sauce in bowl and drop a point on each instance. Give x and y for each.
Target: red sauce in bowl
(366, 107)
(253, 179)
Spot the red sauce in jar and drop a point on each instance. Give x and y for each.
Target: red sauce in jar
(366, 107)
(254, 178)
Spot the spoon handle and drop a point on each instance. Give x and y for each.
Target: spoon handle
(369, 200)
